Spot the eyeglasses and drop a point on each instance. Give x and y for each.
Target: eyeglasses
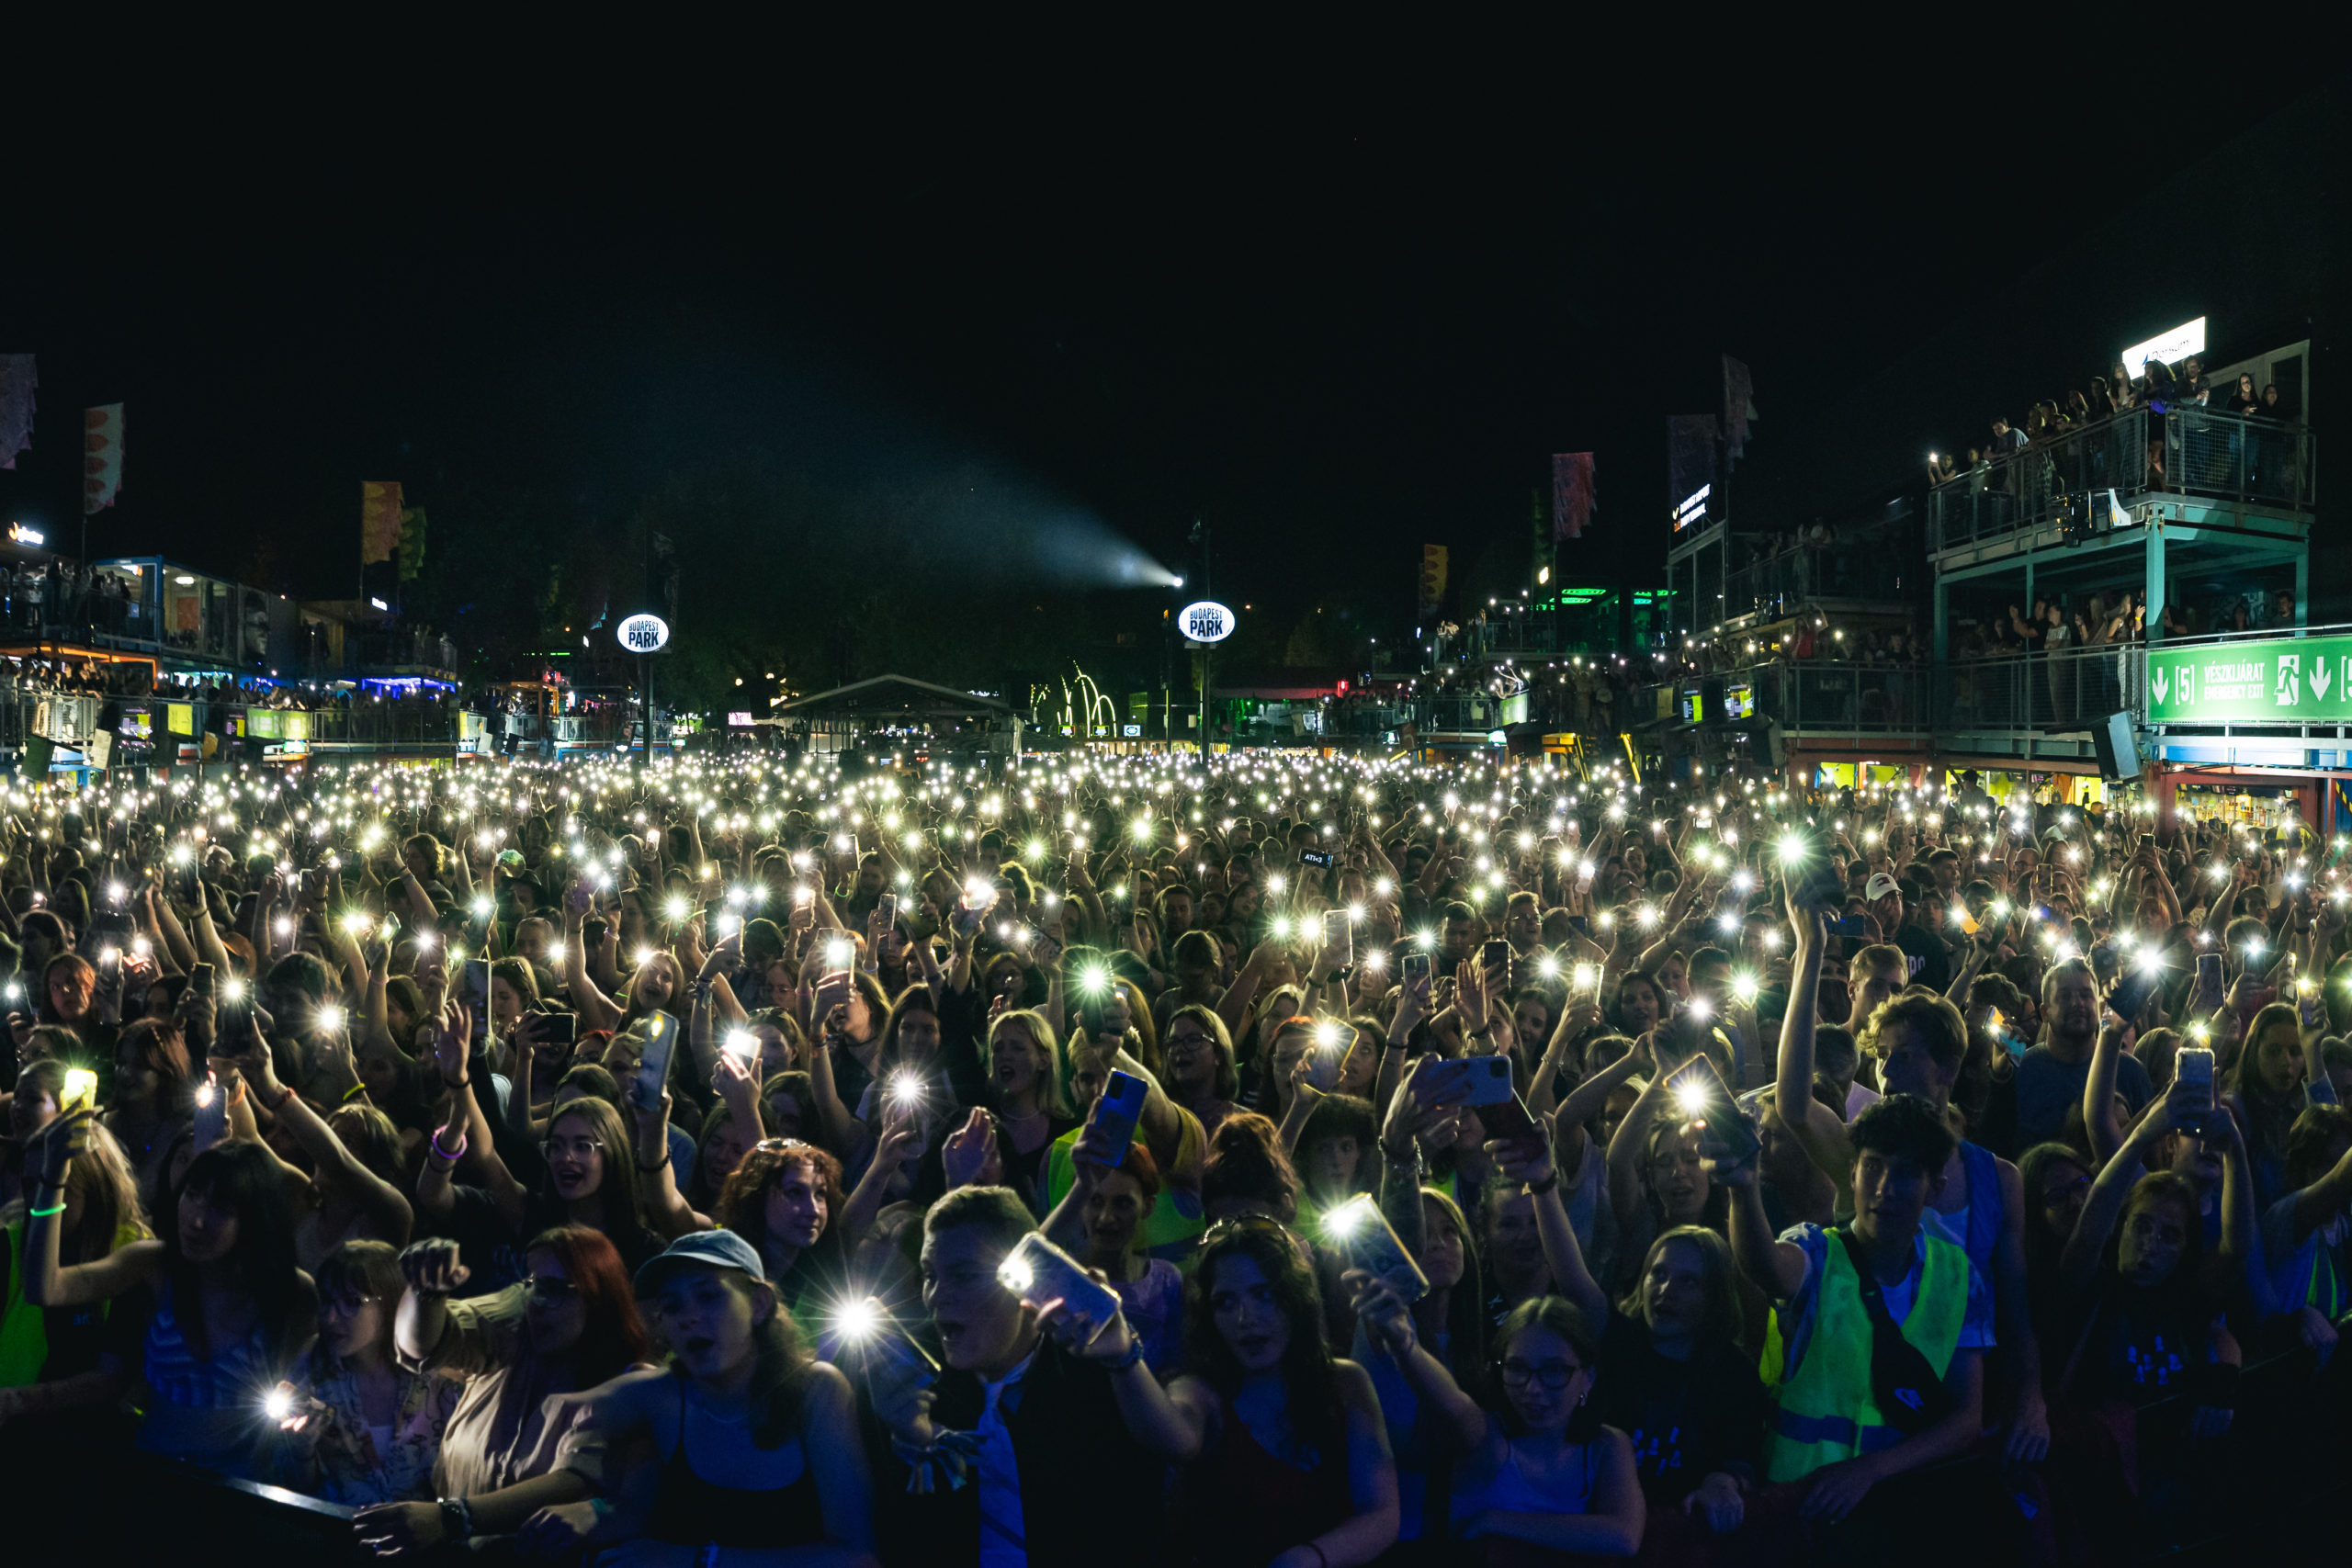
(1554, 1375)
(1244, 1224)
(1186, 1042)
(582, 1147)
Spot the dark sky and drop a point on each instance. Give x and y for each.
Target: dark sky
(1334, 338)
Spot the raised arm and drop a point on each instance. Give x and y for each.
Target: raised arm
(2078, 1260)
(47, 1158)
(382, 1201)
(2098, 1089)
(595, 1009)
(1775, 1267)
(666, 1210)
(1539, 1179)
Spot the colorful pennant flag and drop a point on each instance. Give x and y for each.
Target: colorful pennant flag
(1433, 593)
(1739, 409)
(1571, 493)
(380, 520)
(1689, 456)
(18, 380)
(101, 457)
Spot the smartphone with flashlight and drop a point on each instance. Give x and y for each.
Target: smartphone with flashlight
(1327, 1054)
(1481, 1080)
(236, 1013)
(1037, 1272)
(1416, 969)
(1339, 941)
(1495, 955)
(2193, 1106)
(211, 1112)
(1703, 1097)
(1367, 1240)
(1508, 1120)
(653, 1067)
(2209, 982)
(2132, 990)
(1813, 881)
(477, 988)
(1688, 1035)
(887, 908)
(1119, 1109)
(864, 1333)
(81, 1090)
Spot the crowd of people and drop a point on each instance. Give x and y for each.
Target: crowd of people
(1255, 1159)
(2158, 387)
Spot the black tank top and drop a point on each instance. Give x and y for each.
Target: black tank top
(690, 1511)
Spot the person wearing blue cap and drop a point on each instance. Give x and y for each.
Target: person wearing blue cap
(750, 1444)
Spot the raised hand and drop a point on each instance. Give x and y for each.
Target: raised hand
(970, 1156)
(432, 1266)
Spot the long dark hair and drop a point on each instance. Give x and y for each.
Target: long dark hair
(1316, 1412)
(245, 1179)
(743, 1207)
(1561, 1317)
(781, 1361)
(1465, 1312)
(2270, 1116)
(614, 1337)
(1719, 1325)
(622, 1209)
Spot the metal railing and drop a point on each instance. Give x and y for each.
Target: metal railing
(2071, 688)
(67, 718)
(1817, 696)
(1870, 564)
(2183, 451)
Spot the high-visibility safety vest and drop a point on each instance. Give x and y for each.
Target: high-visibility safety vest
(1827, 1412)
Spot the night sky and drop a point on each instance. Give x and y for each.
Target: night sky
(1333, 344)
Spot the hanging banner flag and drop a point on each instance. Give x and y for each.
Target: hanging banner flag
(1432, 580)
(1690, 467)
(1571, 493)
(380, 520)
(101, 457)
(1739, 409)
(16, 383)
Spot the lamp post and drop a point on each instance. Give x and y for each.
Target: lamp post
(1199, 539)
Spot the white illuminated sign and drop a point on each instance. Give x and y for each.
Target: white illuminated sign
(738, 719)
(1205, 621)
(644, 634)
(1693, 507)
(2172, 347)
(25, 535)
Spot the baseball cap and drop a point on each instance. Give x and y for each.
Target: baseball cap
(1880, 885)
(703, 1249)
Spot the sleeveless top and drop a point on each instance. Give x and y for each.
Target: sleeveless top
(1264, 1505)
(1511, 1490)
(689, 1511)
(1977, 1227)
(203, 1411)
